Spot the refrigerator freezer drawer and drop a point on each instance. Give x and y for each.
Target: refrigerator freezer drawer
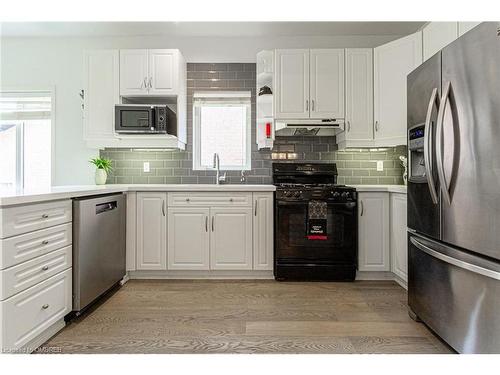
(455, 294)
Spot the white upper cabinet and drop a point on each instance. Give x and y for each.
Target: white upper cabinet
(358, 97)
(151, 72)
(292, 84)
(309, 83)
(134, 72)
(162, 69)
(463, 27)
(373, 232)
(151, 231)
(392, 63)
(100, 93)
(437, 35)
(326, 83)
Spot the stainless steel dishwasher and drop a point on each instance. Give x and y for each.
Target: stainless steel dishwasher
(98, 246)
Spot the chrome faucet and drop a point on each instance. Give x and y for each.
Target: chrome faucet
(218, 179)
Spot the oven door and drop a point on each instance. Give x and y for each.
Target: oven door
(293, 245)
(134, 119)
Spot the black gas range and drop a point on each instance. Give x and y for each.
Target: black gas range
(316, 226)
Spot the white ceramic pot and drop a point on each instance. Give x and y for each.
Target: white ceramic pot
(100, 176)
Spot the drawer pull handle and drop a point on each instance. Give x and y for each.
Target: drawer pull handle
(187, 199)
(45, 242)
(45, 216)
(231, 199)
(45, 268)
(46, 306)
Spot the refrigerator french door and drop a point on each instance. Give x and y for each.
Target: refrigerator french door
(454, 212)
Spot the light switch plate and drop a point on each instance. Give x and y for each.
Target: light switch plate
(380, 165)
(146, 166)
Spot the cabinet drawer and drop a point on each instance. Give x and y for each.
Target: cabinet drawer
(210, 199)
(15, 279)
(26, 218)
(18, 249)
(29, 313)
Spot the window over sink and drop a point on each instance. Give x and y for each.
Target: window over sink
(222, 124)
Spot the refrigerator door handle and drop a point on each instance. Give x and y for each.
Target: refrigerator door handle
(439, 140)
(456, 262)
(427, 146)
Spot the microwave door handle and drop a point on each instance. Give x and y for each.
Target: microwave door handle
(434, 100)
(439, 141)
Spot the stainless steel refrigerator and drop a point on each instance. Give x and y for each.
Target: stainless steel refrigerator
(454, 191)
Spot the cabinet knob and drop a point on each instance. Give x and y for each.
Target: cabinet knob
(45, 216)
(45, 242)
(231, 199)
(46, 306)
(187, 199)
(45, 268)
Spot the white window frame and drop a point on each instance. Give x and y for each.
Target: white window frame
(214, 95)
(27, 91)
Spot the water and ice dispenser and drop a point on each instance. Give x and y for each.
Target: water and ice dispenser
(416, 162)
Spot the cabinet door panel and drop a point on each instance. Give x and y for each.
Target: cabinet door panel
(437, 35)
(188, 238)
(392, 63)
(359, 94)
(101, 93)
(151, 231)
(374, 232)
(162, 64)
(292, 84)
(263, 226)
(463, 27)
(231, 239)
(133, 71)
(399, 242)
(327, 83)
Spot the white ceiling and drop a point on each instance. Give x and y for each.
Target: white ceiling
(205, 29)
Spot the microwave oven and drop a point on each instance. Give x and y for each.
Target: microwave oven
(146, 119)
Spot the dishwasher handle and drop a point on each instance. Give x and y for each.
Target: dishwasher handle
(105, 207)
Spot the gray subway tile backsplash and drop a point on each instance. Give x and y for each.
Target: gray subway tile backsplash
(356, 166)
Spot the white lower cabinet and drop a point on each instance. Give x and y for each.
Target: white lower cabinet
(29, 313)
(151, 231)
(231, 238)
(218, 231)
(399, 244)
(373, 229)
(188, 238)
(263, 231)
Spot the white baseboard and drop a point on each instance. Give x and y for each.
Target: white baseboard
(34, 344)
(202, 275)
(374, 275)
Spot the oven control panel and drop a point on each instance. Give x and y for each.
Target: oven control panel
(335, 195)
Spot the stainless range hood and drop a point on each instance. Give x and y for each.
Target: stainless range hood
(309, 127)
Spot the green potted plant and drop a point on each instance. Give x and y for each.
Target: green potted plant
(103, 167)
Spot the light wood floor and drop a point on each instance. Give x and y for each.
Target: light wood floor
(250, 317)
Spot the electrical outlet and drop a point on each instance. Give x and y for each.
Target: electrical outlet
(380, 165)
(146, 166)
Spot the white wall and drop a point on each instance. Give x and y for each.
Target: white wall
(41, 63)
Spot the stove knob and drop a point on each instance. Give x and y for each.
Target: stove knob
(336, 194)
(296, 194)
(345, 195)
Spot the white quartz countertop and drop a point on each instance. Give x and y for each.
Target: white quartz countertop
(14, 197)
(388, 188)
